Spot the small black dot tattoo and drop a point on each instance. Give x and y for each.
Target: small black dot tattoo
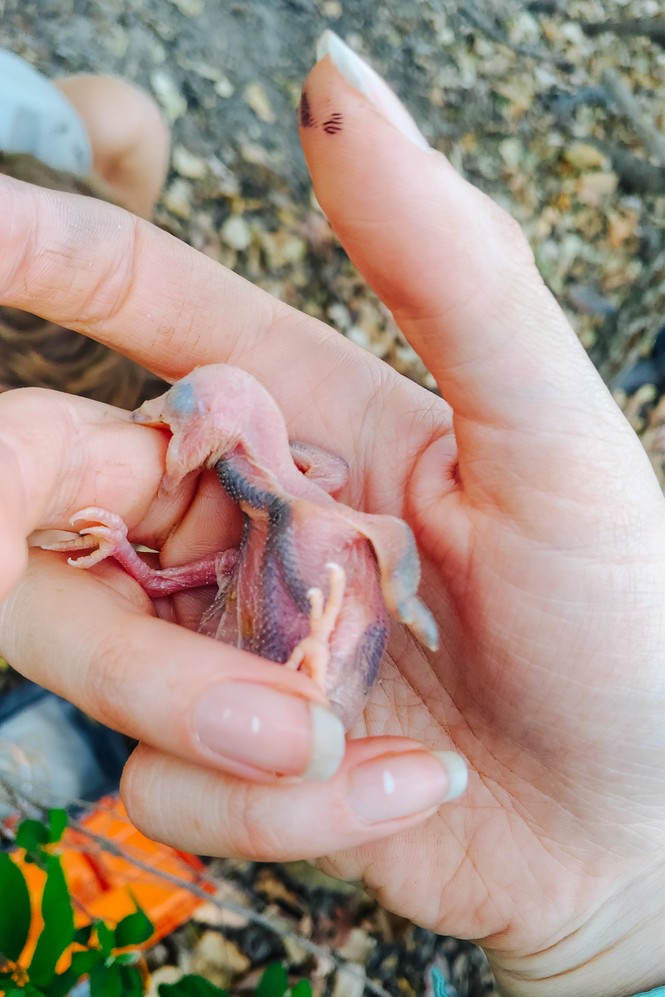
(333, 124)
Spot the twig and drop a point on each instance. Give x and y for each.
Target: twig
(650, 137)
(635, 172)
(470, 13)
(564, 104)
(649, 27)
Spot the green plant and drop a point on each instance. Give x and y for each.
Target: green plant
(108, 956)
(96, 947)
(273, 983)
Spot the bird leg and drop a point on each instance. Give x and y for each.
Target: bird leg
(108, 537)
(312, 654)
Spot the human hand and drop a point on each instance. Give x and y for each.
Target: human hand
(540, 524)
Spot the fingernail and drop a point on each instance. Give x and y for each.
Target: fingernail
(361, 76)
(404, 785)
(259, 726)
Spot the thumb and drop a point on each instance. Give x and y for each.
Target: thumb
(13, 546)
(459, 276)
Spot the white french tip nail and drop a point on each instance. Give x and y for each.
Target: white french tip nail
(457, 772)
(363, 78)
(344, 58)
(328, 744)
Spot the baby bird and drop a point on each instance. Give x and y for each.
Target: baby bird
(312, 581)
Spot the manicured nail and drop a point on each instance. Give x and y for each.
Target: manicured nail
(270, 730)
(361, 76)
(404, 785)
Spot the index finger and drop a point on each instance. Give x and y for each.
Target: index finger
(95, 268)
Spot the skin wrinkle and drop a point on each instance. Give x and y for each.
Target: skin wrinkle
(254, 836)
(112, 652)
(251, 344)
(354, 492)
(567, 411)
(399, 681)
(549, 604)
(599, 431)
(369, 428)
(15, 454)
(22, 452)
(418, 509)
(79, 441)
(492, 902)
(452, 312)
(99, 306)
(406, 711)
(520, 811)
(343, 864)
(182, 327)
(574, 811)
(570, 938)
(36, 263)
(504, 503)
(26, 254)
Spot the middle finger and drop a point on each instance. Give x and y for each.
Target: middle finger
(89, 637)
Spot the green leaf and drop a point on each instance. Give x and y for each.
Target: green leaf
(127, 958)
(57, 822)
(61, 985)
(132, 982)
(26, 989)
(190, 986)
(302, 989)
(32, 835)
(133, 929)
(58, 930)
(105, 937)
(15, 913)
(82, 935)
(274, 982)
(106, 981)
(84, 962)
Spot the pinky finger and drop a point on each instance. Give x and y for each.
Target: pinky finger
(384, 786)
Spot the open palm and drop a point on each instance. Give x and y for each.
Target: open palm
(540, 524)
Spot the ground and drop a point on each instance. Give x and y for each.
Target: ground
(559, 121)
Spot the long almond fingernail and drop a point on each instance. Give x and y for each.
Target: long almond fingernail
(360, 75)
(260, 726)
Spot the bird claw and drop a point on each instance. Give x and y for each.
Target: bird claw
(312, 654)
(103, 539)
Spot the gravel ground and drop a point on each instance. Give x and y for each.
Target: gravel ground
(547, 131)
